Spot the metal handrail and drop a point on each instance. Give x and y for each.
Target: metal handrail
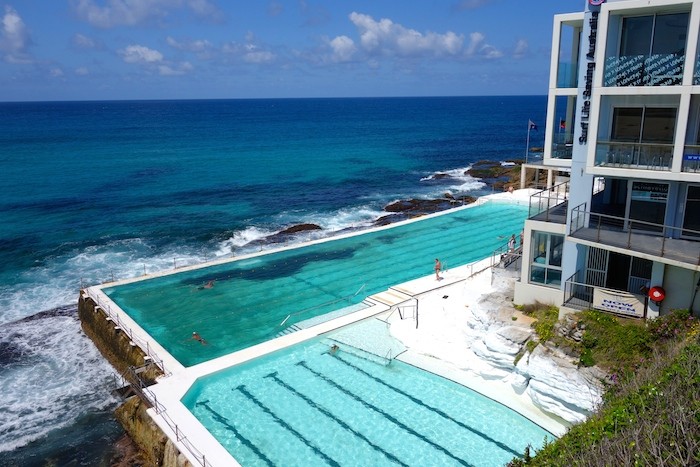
(580, 218)
(141, 343)
(150, 398)
(322, 305)
(545, 200)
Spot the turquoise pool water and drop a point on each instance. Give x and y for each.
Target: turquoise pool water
(252, 297)
(304, 406)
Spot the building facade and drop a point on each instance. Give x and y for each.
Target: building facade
(623, 117)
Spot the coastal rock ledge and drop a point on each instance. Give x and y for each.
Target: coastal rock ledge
(550, 378)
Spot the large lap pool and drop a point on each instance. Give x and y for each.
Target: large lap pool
(307, 405)
(251, 297)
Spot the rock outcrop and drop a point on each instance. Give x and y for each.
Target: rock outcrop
(549, 377)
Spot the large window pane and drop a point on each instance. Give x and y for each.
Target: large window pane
(556, 246)
(636, 35)
(627, 124)
(670, 34)
(545, 267)
(659, 125)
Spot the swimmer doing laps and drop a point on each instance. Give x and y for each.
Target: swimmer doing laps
(198, 338)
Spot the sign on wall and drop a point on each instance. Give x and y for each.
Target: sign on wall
(615, 301)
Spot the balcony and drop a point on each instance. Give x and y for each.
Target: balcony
(643, 156)
(549, 205)
(582, 296)
(644, 70)
(562, 146)
(691, 159)
(660, 241)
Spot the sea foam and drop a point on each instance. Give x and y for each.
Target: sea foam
(58, 375)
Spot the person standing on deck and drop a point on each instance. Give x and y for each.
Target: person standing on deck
(511, 243)
(438, 266)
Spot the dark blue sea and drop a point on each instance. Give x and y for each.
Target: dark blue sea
(96, 191)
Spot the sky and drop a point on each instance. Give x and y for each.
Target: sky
(217, 49)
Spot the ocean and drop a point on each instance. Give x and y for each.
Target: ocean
(96, 191)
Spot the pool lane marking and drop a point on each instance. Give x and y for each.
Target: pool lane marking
(386, 415)
(327, 413)
(431, 408)
(285, 425)
(227, 425)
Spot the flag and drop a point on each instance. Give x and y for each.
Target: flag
(532, 125)
(562, 124)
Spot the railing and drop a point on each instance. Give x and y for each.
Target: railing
(545, 200)
(631, 232)
(148, 396)
(646, 156)
(113, 316)
(577, 293)
(691, 159)
(331, 302)
(562, 145)
(644, 70)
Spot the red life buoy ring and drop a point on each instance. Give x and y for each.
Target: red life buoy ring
(657, 294)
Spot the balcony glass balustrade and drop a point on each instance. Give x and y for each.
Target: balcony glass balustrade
(691, 159)
(643, 156)
(562, 146)
(644, 70)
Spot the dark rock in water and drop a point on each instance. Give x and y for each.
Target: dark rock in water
(423, 206)
(494, 174)
(410, 208)
(440, 176)
(284, 235)
(299, 228)
(65, 310)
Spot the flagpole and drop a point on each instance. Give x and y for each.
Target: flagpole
(527, 145)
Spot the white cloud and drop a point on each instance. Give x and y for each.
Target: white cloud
(83, 42)
(177, 70)
(14, 37)
(521, 48)
(82, 71)
(343, 49)
(56, 72)
(258, 56)
(132, 12)
(478, 47)
(197, 46)
(249, 52)
(140, 54)
(389, 38)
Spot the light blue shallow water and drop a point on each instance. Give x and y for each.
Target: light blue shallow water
(252, 297)
(304, 407)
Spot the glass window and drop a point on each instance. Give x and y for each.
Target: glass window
(648, 204)
(651, 51)
(636, 35)
(627, 123)
(659, 125)
(691, 217)
(670, 34)
(546, 253)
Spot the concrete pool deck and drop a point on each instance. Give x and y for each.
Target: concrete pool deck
(439, 305)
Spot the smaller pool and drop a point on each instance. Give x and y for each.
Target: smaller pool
(309, 405)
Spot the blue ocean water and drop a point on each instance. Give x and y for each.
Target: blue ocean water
(95, 191)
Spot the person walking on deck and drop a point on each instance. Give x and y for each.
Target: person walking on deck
(438, 266)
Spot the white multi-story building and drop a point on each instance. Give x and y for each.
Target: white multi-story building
(623, 117)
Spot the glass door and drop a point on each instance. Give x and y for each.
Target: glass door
(648, 206)
(691, 214)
